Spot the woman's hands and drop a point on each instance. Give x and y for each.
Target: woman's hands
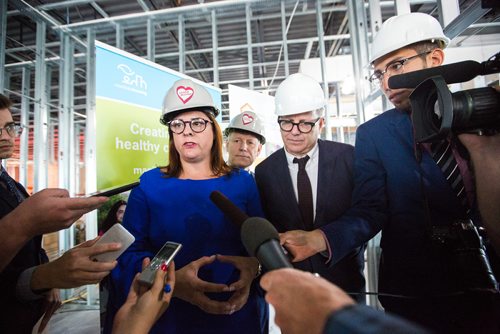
(192, 289)
(248, 267)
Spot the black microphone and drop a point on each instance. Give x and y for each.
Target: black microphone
(234, 213)
(451, 73)
(261, 240)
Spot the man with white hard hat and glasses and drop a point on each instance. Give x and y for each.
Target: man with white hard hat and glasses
(417, 195)
(308, 184)
(244, 139)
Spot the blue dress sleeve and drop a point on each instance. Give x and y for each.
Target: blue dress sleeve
(136, 221)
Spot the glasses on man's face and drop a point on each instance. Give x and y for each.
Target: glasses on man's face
(13, 129)
(303, 126)
(198, 125)
(393, 68)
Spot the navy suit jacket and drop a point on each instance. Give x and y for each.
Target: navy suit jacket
(390, 191)
(335, 184)
(18, 316)
(389, 196)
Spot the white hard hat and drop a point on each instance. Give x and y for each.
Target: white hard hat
(247, 121)
(297, 94)
(186, 95)
(402, 30)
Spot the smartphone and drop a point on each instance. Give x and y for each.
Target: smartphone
(108, 192)
(165, 255)
(117, 233)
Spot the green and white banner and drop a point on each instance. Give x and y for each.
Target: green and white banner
(129, 95)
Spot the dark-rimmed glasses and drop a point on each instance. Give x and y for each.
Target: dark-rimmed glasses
(198, 125)
(303, 126)
(393, 68)
(13, 129)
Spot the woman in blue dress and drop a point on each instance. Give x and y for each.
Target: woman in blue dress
(216, 290)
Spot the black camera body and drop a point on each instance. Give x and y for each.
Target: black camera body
(436, 112)
(461, 246)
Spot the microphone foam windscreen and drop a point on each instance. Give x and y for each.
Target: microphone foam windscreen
(255, 231)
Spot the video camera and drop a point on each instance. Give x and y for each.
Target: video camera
(436, 111)
(465, 254)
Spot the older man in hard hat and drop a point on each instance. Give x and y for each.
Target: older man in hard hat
(308, 184)
(244, 139)
(403, 190)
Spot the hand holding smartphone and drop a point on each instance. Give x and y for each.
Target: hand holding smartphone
(117, 233)
(164, 256)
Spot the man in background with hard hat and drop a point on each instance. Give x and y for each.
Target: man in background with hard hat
(423, 276)
(308, 184)
(244, 139)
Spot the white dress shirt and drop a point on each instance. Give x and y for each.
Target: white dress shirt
(311, 169)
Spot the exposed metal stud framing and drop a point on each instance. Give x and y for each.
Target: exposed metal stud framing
(182, 44)
(65, 103)
(375, 17)
(470, 15)
(119, 36)
(402, 6)
(90, 140)
(359, 50)
(3, 37)
(248, 17)
(215, 48)
(41, 113)
(319, 25)
(448, 11)
(284, 37)
(65, 125)
(25, 107)
(151, 40)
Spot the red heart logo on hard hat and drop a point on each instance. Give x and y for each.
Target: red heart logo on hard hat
(185, 93)
(247, 119)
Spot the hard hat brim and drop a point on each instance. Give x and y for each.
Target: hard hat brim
(171, 115)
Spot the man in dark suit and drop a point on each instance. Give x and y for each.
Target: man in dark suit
(29, 281)
(304, 228)
(402, 189)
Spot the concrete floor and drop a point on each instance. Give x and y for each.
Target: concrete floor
(81, 319)
(67, 321)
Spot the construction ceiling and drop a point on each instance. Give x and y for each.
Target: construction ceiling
(125, 24)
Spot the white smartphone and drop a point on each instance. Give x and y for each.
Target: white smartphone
(165, 255)
(117, 233)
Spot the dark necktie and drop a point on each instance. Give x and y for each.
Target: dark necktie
(11, 184)
(305, 193)
(442, 153)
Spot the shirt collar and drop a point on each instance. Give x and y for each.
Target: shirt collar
(313, 154)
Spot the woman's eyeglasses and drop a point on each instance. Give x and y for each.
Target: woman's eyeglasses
(198, 125)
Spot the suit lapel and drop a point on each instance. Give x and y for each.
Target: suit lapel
(286, 189)
(402, 126)
(325, 163)
(7, 198)
(428, 168)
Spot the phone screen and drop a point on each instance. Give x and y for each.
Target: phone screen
(165, 255)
